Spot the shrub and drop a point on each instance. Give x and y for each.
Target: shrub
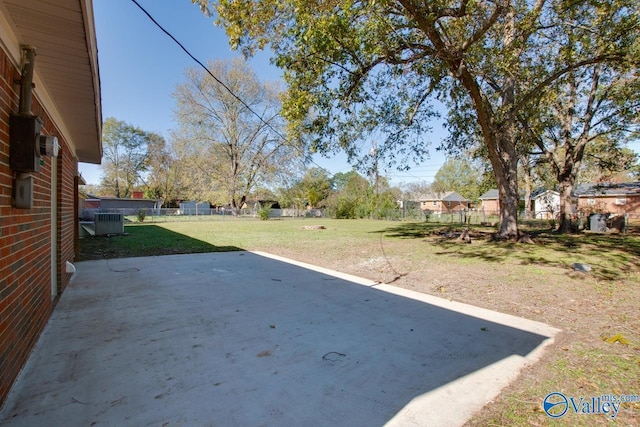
(264, 212)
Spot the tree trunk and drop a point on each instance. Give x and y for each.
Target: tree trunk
(508, 197)
(526, 167)
(505, 149)
(566, 224)
(504, 160)
(498, 132)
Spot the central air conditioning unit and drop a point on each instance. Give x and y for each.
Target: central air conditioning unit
(109, 223)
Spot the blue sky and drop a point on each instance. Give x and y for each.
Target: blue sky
(140, 67)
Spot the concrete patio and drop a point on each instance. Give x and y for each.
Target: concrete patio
(248, 339)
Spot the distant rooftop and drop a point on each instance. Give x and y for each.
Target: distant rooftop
(491, 194)
(449, 196)
(607, 189)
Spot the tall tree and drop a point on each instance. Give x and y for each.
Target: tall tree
(353, 196)
(163, 178)
(225, 147)
(355, 66)
(311, 190)
(125, 156)
(316, 184)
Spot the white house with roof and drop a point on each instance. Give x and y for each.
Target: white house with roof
(546, 204)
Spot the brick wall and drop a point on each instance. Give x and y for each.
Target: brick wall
(490, 205)
(25, 238)
(442, 206)
(610, 204)
(67, 214)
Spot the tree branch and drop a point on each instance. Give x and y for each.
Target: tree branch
(540, 87)
(486, 26)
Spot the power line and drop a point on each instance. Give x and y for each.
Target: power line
(197, 61)
(267, 124)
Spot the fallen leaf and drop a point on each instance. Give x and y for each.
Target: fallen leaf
(614, 339)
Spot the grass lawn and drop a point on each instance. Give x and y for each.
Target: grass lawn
(534, 281)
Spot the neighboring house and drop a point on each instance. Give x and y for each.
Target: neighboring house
(443, 203)
(613, 198)
(48, 80)
(546, 204)
(259, 203)
(91, 202)
(490, 202)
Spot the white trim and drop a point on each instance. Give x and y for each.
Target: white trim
(49, 107)
(13, 48)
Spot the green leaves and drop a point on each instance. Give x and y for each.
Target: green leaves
(460, 175)
(226, 150)
(125, 158)
(363, 70)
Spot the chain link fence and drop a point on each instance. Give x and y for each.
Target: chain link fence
(469, 217)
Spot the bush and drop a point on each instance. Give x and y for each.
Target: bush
(264, 212)
(142, 214)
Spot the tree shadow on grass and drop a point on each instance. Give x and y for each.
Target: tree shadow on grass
(612, 255)
(145, 240)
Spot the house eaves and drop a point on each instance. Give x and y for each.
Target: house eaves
(429, 197)
(66, 75)
(539, 194)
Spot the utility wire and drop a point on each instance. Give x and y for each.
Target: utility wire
(204, 67)
(197, 61)
(398, 275)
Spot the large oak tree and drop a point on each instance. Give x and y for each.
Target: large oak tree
(594, 108)
(229, 140)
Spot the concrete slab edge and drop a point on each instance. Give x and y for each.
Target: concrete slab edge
(327, 271)
(458, 400)
(468, 309)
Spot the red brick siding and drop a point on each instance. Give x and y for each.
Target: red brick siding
(490, 206)
(429, 205)
(67, 214)
(443, 206)
(608, 204)
(25, 239)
